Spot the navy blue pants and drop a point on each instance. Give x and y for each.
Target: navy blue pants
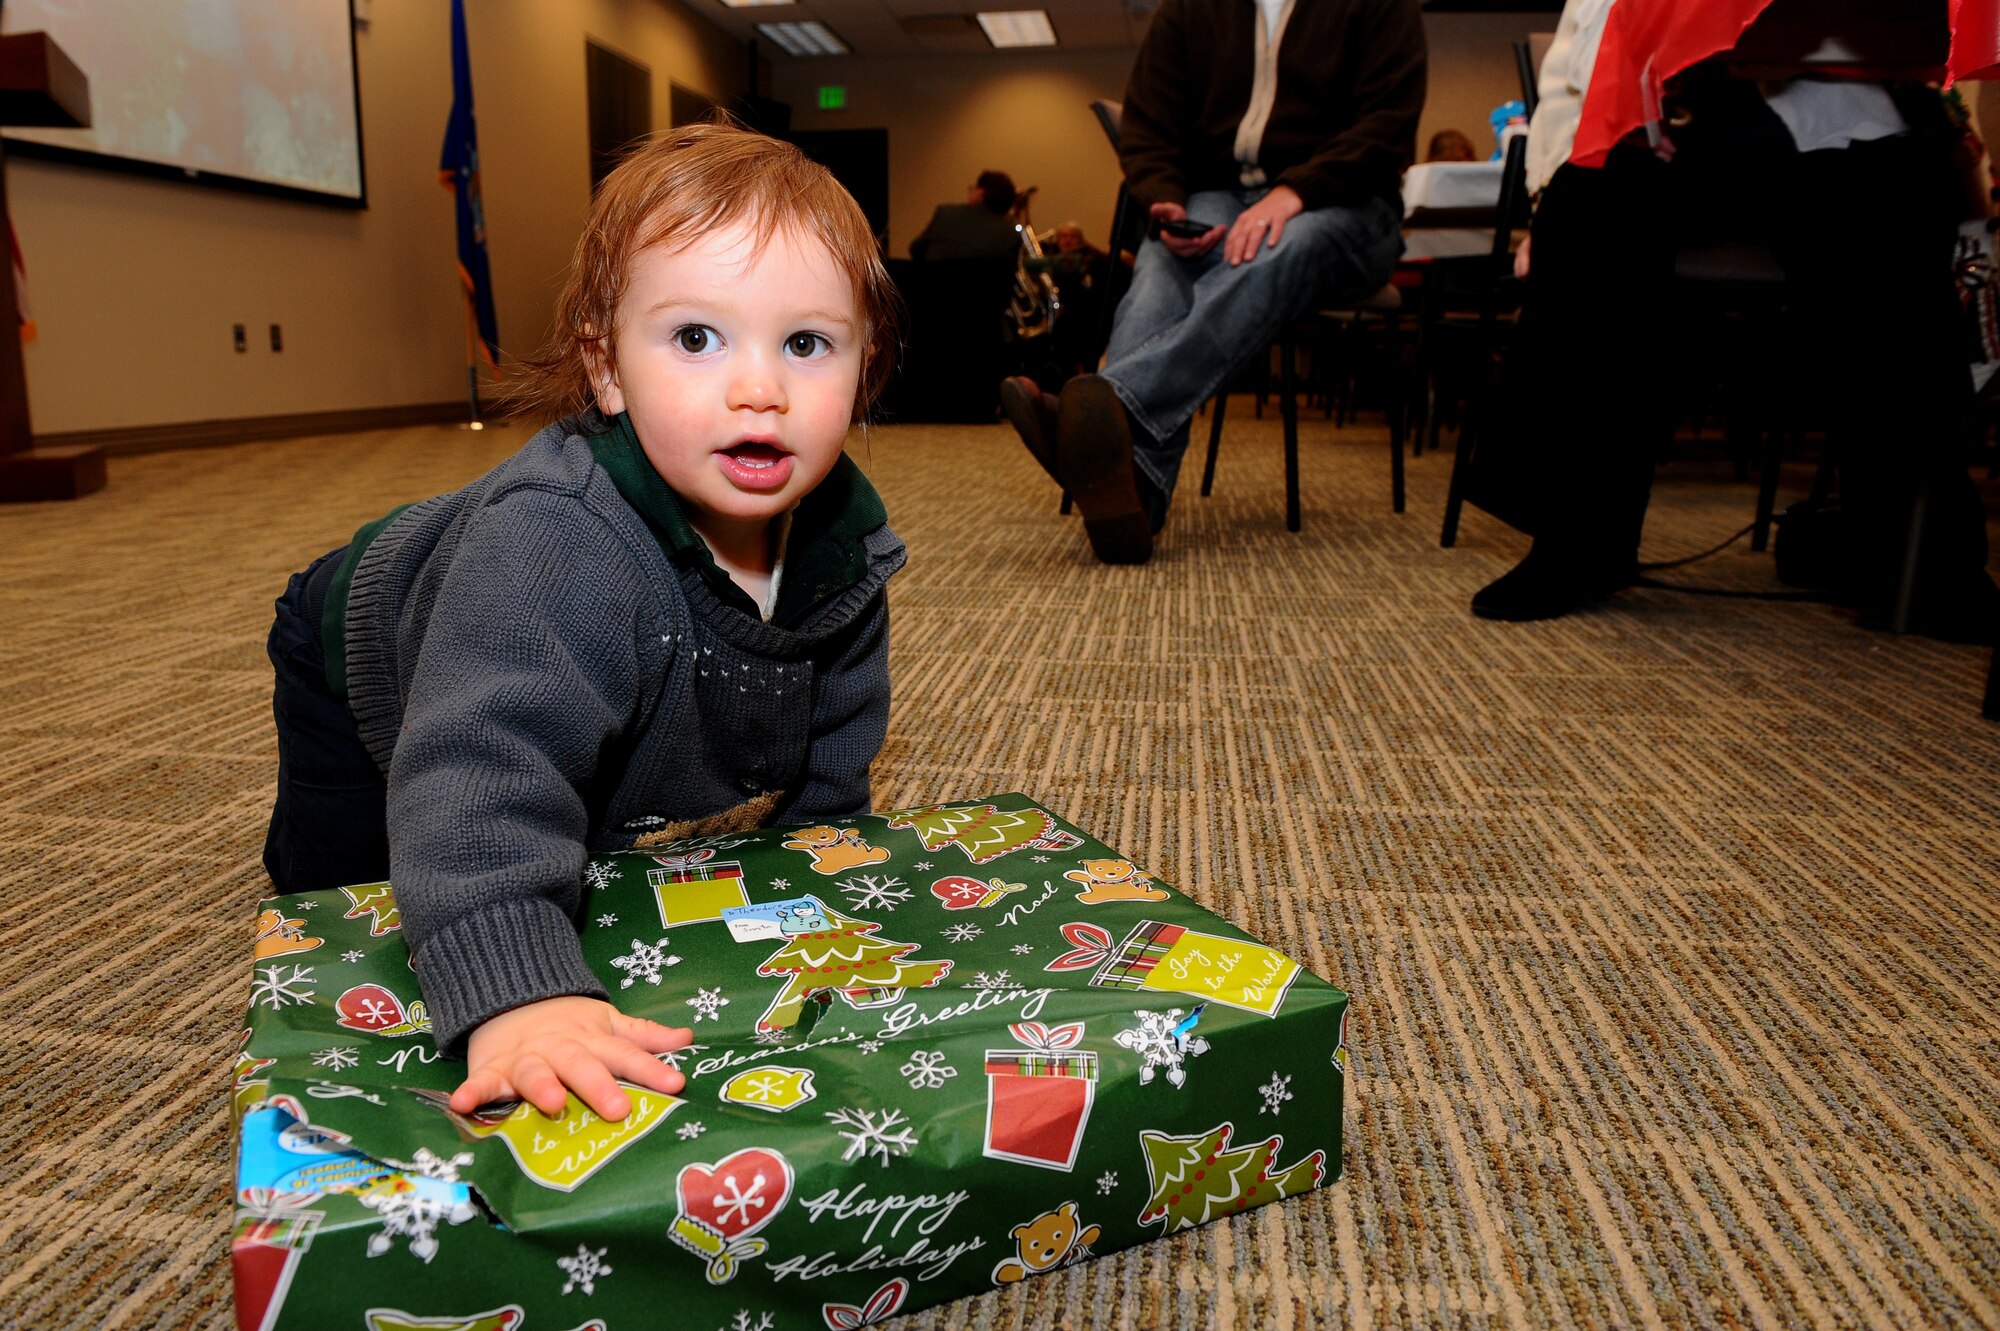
(329, 825)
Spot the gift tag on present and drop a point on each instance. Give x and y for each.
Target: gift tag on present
(775, 921)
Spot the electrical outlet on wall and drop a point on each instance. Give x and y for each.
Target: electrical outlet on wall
(277, 338)
(242, 335)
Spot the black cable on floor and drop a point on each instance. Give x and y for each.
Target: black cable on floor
(1691, 559)
(1655, 584)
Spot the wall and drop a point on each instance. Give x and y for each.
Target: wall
(1026, 113)
(1472, 71)
(135, 282)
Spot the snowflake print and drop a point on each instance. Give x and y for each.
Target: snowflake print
(735, 1204)
(584, 1270)
(432, 1165)
(927, 1070)
(1106, 1182)
(742, 1322)
(691, 1129)
(672, 1058)
(707, 1004)
(352, 955)
(869, 1046)
(997, 980)
(772, 1037)
(1039, 859)
(607, 920)
(408, 1214)
(871, 1133)
(765, 1088)
(1023, 949)
(1153, 1040)
(961, 933)
(599, 875)
(1275, 1094)
(337, 1058)
(274, 989)
(923, 866)
(308, 905)
(644, 962)
(868, 893)
(781, 883)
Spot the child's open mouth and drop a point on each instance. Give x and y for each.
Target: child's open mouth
(752, 465)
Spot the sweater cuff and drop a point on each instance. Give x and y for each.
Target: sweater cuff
(482, 965)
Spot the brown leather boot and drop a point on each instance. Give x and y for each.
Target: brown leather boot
(1094, 459)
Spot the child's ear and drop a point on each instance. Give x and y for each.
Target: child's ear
(603, 377)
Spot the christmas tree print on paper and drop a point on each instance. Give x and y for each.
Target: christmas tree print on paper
(983, 831)
(378, 903)
(1201, 1178)
(847, 958)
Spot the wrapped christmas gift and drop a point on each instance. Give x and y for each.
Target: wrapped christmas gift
(935, 1051)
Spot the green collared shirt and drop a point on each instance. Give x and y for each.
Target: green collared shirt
(823, 553)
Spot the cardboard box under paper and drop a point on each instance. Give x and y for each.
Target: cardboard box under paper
(937, 1050)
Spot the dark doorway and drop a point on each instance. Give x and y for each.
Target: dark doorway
(859, 159)
(620, 94)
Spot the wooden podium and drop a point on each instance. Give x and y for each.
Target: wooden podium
(38, 86)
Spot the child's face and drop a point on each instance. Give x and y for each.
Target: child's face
(739, 369)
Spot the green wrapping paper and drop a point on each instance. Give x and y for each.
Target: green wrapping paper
(936, 1051)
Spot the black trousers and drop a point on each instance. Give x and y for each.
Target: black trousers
(1865, 235)
(329, 824)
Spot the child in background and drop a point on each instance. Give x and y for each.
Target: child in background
(663, 618)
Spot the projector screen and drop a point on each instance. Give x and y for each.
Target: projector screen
(254, 94)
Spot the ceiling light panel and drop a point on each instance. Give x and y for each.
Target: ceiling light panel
(804, 39)
(1018, 27)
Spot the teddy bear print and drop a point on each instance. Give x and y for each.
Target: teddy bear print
(1114, 880)
(1048, 1241)
(835, 850)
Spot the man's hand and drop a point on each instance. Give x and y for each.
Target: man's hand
(1185, 247)
(1261, 224)
(540, 1052)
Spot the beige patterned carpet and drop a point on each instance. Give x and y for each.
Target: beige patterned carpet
(1673, 928)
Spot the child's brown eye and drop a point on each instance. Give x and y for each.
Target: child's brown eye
(804, 344)
(693, 338)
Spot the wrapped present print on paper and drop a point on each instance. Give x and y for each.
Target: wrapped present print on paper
(936, 1051)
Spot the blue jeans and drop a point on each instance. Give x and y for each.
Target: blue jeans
(1187, 324)
(329, 823)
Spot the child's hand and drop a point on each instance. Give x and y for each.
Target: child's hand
(539, 1052)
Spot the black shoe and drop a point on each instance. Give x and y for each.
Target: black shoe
(1545, 586)
(1094, 459)
(1032, 413)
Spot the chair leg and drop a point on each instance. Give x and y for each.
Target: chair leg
(1397, 406)
(1767, 488)
(1289, 405)
(1066, 502)
(1906, 585)
(1221, 404)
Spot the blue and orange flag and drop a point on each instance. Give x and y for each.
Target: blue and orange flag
(458, 169)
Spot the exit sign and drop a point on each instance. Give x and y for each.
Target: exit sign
(833, 97)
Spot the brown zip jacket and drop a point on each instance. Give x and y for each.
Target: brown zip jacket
(1342, 120)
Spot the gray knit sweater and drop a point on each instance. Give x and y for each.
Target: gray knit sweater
(540, 679)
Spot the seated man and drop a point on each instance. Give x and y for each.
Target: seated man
(976, 229)
(1289, 168)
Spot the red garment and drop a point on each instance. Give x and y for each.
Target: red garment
(1647, 42)
(1975, 41)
